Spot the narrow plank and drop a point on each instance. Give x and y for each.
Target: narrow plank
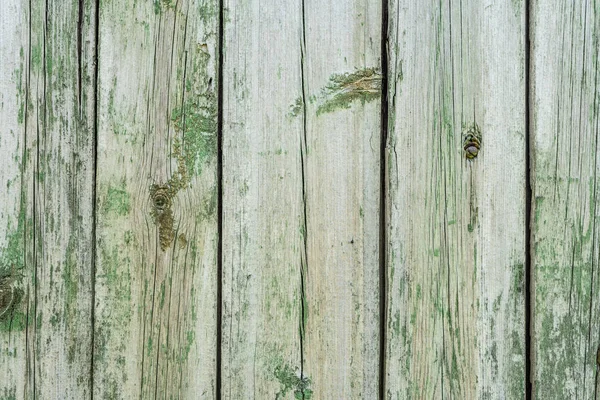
(16, 213)
(342, 86)
(455, 226)
(565, 110)
(157, 237)
(47, 260)
(263, 210)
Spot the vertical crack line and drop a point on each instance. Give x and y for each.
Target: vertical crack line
(80, 56)
(221, 50)
(384, 126)
(593, 216)
(529, 287)
(24, 194)
(303, 154)
(95, 72)
(36, 223)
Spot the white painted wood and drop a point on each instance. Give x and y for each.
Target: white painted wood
(301, 200)
(156, 272)
(263, 212)
(455, 227)
(565, 251)
(342, 85)
(48, 220)
(16, 179)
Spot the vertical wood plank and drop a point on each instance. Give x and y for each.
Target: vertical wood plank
(16, 213)
(156, 278)
(301, 200)
(263, 212)
(342, 92)
(565, 108)
(46, 273)
(455, 226)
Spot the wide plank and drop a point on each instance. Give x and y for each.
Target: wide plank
(301, 178)
(455, 226)
(157, 198)
(47, 251)
(263, 209)
(342, 187)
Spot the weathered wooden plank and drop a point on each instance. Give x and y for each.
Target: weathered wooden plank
(49, 166)
(301, 200)
(342, 88)
(566, 282)
(16, 211)
(455, 226)
(263, 212)
(156, 278)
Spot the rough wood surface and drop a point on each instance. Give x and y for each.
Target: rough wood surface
(263, 213)
(156, 272)
(342, 92)
(456, 227)
(16, 204)
(47, 144)
(109, 225)
(301, 200)
(566, 282)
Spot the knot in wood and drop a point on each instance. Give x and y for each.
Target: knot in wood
(161, 196)
(9, 296)
(472, 142)
(161, 200)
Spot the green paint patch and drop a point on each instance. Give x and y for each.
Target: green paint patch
(9, 394)
(117, 200)
(190, 337)
(343, 89)
(160, 4)
(291, 380)
(11, 255)
(16, 322)
(11, 318)
(11, 264)
(195, 144)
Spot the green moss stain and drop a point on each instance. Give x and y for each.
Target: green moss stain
(344, 89)
(297, 107)
(117, 200)
(11, 255)
(290, 380)
(111, 331)
(36, 57)
(196, 121)
(195, 124)
(160, 5)
(9, 394)
(11, 318)
(11, 273)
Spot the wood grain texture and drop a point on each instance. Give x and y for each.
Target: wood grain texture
(263, 212)
(47, 246)
(342, 88)
(455, 227)
(565, 251)
(16, 204)
(301, 200)
(156, 277)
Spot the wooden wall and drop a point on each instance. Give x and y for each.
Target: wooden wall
(334, 199)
